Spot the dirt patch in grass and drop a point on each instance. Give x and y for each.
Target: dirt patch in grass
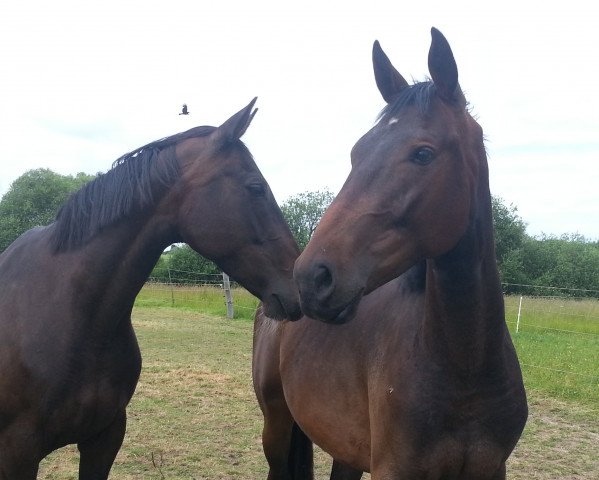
(560, 441)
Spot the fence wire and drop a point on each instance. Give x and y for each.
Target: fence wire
(569, 312)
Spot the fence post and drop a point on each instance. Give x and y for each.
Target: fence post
(228, 295)
(170, 282)
(519, 311)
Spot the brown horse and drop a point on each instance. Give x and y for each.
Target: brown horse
(69, 359)
(423, 382)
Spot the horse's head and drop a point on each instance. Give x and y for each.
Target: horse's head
(227, 213)
(409, 193)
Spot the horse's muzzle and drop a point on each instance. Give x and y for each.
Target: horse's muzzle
(283, 307)
(322, 298)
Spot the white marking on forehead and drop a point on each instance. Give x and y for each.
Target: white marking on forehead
(393, 120)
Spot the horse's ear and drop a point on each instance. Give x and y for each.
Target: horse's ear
(388, 79)
(234, 127)
(443, 68)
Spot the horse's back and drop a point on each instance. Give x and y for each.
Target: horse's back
(22, 274)
(31, 281)
(21, 249)
(25, 260)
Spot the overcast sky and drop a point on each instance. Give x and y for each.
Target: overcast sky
(84, 82)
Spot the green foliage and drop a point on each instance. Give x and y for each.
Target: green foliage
(160, 273)
(182, 265)
(33, 200)
(567, 262)
(303, 212)
(510, 229)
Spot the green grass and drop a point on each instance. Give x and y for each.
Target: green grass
(194, 414)
(563, 366)
(205, 298)
(554, 313)
(558, 346)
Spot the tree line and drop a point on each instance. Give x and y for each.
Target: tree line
(569, 261)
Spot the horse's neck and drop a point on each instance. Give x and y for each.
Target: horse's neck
(116, 264)
(464, 317)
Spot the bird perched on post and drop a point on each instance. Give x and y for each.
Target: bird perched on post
(184, 110)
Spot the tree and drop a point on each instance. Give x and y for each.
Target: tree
(303, 212)
(182, 264)
(33, 200)
(510, 229)
(567, 262)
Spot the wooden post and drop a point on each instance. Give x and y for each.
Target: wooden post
(228, 295)
(519, 312)
(170, 282)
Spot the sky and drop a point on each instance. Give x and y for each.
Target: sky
(82, 83)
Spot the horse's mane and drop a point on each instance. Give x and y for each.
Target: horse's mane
(418, 95)
(135, 181)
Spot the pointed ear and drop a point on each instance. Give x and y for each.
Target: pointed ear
(388, 79)
(234, 127)
(443, 68)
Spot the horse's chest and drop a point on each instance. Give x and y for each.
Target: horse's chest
(459, 435)
(92, 392)
(451, 456)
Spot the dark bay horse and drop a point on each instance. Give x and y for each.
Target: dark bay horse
(69, 359)
(414, 376)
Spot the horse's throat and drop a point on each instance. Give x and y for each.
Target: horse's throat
(464, 309)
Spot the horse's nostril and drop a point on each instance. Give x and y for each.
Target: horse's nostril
(323, 280)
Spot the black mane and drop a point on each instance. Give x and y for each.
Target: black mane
(418, 95)
(135, 181)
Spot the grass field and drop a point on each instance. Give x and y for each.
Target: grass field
(194, 415)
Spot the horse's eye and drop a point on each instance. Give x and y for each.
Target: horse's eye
(257, 189)
(423, 156)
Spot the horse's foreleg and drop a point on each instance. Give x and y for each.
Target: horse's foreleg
(98, 453)
(276, 440)
(25, 471)
(343, 472)
(501, 473)
(20, 451)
